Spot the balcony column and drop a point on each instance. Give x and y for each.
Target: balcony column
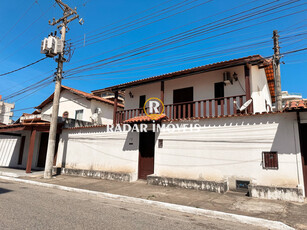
(115, 107)
(31, 150)
(162, 92)
(247, 88)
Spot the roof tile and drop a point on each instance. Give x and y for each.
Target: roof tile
(296, 105)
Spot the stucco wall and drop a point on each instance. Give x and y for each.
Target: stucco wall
(259, 89)
(94, 149)
(106, 116)
(203, 85)
(71, 102)
(224, 148)
(232, 148)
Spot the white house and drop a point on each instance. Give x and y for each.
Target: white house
(24, 144)
(79, 105)
(235, 146)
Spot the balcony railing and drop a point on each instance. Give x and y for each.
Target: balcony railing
(194, 109)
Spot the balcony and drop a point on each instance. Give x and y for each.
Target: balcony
(216, 107)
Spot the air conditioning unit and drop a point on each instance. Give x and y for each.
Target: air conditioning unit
(227, 78)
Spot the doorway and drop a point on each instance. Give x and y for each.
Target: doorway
(43, 150)
(303, 143)
(181, 96)
(146, 154)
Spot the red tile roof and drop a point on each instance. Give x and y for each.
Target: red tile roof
(144, 119)
(255, 59)
(269, 72)
(296, 105)
(82, 94)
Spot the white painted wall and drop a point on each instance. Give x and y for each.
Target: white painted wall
(106, 116)
(10, 146)
(259, 89)
(71, 102)
(232, 148)
(224, 148)
(203, 85)
(94, 149)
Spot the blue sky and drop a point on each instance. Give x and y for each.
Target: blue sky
(20, 43)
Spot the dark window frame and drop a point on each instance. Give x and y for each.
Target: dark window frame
(220, 93)
(270, 160)
(78, 111)
(142, 100)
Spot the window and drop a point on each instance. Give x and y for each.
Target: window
(181, 97)
(142, 101)
(219, 91)
(79, 114)
(269, 160)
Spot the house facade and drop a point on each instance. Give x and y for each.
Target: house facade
(217, 132)
(24, 144)
(239, 142)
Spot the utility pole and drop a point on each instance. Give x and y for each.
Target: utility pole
(67, 12)
(276, 67)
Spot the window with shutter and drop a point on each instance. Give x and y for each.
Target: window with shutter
(270, 160)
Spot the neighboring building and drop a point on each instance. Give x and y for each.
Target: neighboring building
(290, 97)
(78, 105)
(254, 148)
(24, 144)
(6, 112)
(110, 96)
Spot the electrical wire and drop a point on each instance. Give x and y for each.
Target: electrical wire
(89, 68)
(27, 28)
(21, 68)
(143, 25)
(20, 18)
(130, 44)
(137, 21)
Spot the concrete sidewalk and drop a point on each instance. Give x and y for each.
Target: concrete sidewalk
(290, 213)
(11, 172)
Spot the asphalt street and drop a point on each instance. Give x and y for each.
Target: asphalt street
(24, 206)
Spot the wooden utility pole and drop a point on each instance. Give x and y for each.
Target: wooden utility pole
(276, 67)
(67, 12)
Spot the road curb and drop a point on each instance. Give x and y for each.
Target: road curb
(174, 207)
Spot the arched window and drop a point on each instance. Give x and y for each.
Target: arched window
(65, 114)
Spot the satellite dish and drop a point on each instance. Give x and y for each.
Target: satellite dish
(246, 104)
(94, 118)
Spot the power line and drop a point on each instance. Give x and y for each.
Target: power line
(121, 47)
(121, 33)
(27, 28)
(13, 71)
(136, 21)
(230, 50)
(21, 17)
(124, 19)
(170, 42)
